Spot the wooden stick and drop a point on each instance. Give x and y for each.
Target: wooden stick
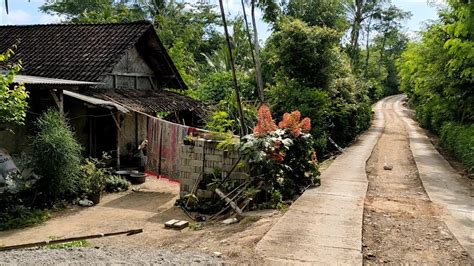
(229, 201)
(71, 239)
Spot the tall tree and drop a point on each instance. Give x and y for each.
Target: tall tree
(258, 66)
(243, 129)
(390, 23)
(358, 11)
(327, 13)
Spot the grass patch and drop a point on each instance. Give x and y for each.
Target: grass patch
(72, 244)
(20, 217)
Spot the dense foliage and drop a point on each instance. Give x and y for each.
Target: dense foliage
(437, 73)
(57, 157)
(13, 97)
(281, 158)
(320, 84)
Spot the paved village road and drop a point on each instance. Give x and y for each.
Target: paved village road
(402, 222)
(324, 226)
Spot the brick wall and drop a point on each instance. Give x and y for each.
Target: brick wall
(204, 154)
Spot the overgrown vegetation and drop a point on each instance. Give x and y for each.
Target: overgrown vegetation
(281, 158)
(54, 173)
(57, 158)
(19, 216)
(437, 73)
(114, 183)
(13, 97)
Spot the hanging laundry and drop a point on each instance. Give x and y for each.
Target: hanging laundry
(164, 142)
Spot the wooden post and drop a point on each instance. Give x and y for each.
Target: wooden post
(136, 129)
(58, 98)
(116, 118)
(159, 151)
(115, 81)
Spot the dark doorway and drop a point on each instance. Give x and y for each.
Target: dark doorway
(102, 133)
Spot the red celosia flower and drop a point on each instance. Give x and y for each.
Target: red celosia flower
(265, 123)
(278, 157)
(306, 124)
(293, 123)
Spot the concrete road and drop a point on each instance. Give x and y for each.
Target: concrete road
(324, 226)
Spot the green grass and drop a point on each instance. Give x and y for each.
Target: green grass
(20, 217)
(72, 244)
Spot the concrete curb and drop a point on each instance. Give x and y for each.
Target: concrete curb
(324, 226)
(442, 183)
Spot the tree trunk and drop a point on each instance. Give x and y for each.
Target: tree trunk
(382, 49)
(354, 54)
(249, 37)
(257, 56)
(367, 48)
(243, 129)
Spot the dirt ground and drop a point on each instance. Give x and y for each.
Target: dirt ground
(149, 209)
(401, 224)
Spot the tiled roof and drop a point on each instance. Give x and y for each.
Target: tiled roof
(83, 52)
(149, 101)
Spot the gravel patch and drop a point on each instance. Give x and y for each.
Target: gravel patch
(86, 256)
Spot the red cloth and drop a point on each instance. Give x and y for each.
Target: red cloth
(164, 142)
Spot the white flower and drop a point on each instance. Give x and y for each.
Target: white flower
(287, 142)
(280, 180)
(280, 132)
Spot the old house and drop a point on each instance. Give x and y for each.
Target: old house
(107, 78)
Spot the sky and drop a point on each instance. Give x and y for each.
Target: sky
(27, 12)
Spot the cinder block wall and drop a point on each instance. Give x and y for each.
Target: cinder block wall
(204, 154)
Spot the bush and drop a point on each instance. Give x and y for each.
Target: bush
(281, 159)
(459, 139)
(19, 216)
(226, 116)
(57, 158)
(16, 190)
(92, 177)
(115, 183)
(218, 86)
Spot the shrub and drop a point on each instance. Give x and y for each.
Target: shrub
(281, 159)
(92, 177)
(115, 183)
(13, 98)
(16, 189)
(57, 158)
(19, 216)
(459, 139)
(218, 86)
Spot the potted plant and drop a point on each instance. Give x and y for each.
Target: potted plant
(93, 179)
(188, 140)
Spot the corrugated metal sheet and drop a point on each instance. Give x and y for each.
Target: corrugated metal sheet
(50, 81)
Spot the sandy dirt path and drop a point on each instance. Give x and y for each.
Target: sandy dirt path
(148, 209)
(401, 223)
